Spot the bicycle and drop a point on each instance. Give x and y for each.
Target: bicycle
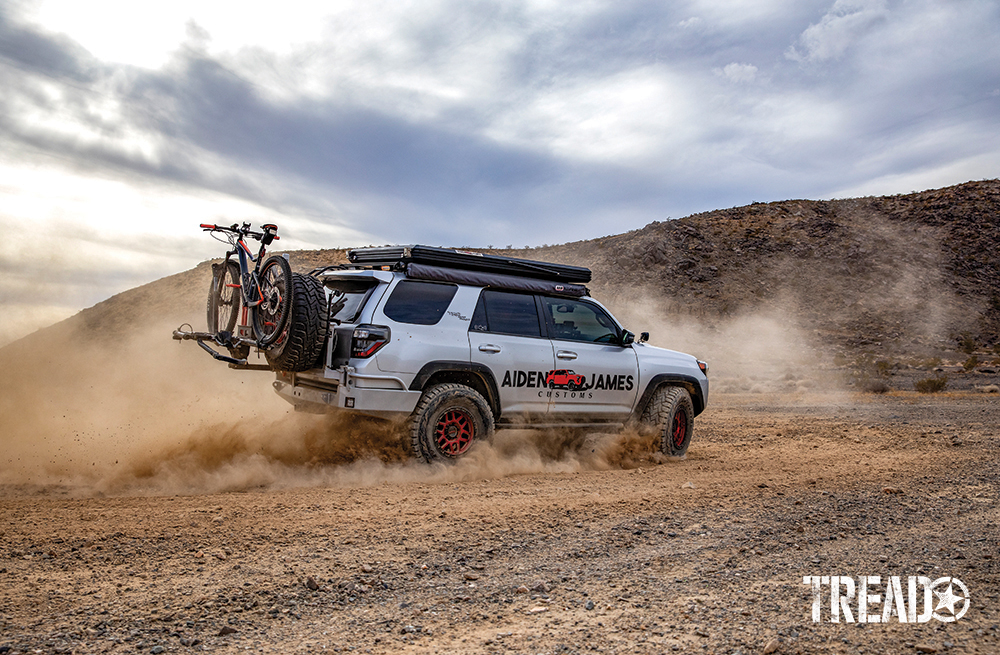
(258, 297)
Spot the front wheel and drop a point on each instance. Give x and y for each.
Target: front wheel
(275, 300)
(224, 297)
(224, 303)
(446, 422)
(671, 412)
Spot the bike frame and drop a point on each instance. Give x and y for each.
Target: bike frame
(249, 285)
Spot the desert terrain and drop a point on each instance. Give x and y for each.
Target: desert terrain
(153, 501)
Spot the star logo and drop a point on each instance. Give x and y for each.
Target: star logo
(955, 593)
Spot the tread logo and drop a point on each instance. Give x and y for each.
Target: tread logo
(567, 379)
(912, 607)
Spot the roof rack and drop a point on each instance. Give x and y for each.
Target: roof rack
(397, 257)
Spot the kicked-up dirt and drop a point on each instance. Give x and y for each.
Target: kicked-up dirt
(593, 546)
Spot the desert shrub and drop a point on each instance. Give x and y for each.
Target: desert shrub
(874, 385)
(967, 344)
(872, 376)
(971, 363)
(933, 362)
(931, 385)
(996, 348)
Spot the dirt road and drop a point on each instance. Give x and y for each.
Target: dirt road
(705, 555)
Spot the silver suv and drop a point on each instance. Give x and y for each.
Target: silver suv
(460, 344)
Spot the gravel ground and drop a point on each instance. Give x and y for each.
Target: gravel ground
(707, 554)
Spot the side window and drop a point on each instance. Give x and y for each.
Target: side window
(506, 313)
(419, 303)
(573, 320)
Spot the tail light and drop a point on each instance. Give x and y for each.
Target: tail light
(368, 339)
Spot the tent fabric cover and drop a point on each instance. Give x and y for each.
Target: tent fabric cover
(494, 280)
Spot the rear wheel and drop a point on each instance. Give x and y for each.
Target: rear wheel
(671, 412)
(270, 316)
(300, 343)
(446, 422)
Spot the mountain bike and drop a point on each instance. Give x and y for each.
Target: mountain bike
(259, 297)
(260, 294)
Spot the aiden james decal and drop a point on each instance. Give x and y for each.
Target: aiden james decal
(566, 379)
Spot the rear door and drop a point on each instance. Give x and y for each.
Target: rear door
(595, 377)
(506, 335)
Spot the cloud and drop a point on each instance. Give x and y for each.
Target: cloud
(461, 123)
(839, 29)
(738, 73)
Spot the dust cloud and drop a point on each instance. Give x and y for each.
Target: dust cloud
(759, 352)
(153, 416)
(147, 415)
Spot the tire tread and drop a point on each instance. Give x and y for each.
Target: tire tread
(660, 410)
(306, 327)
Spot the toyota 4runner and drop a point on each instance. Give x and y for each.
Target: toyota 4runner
(461, 344)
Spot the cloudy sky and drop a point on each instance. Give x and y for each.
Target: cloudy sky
(123, 124)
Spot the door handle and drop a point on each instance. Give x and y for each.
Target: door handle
(565, 354)
(489, 348)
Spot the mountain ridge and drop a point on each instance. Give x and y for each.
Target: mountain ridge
(905, 273)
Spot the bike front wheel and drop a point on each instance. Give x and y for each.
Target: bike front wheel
(224, 297)
(270, 316)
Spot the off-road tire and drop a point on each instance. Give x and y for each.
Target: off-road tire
(447, 421)
(225, 302)
(270, 317)
(300, 344)
(671, 412)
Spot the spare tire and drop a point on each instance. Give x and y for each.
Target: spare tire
(299, 346)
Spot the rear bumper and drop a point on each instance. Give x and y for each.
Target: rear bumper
(384, 396)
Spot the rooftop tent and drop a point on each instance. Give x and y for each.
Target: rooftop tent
(398, 257)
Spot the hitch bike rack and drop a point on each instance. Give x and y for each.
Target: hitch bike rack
(224, 339)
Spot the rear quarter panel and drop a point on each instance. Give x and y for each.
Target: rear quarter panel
(412, 346)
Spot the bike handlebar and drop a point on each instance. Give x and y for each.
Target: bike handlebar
(245, 230)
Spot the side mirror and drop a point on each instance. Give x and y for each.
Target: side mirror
(627, 338)
(643, 337)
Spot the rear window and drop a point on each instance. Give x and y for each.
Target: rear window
(419, 303)
(506, 313)
(348, 298)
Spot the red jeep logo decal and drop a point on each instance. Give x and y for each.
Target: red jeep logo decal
(564, 379)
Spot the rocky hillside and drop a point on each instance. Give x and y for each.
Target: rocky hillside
(906, 273)
(914, 274)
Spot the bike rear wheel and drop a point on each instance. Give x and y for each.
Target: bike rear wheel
(270, 316)
(224, 297)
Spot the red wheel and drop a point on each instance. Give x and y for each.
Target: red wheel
(447, 420)
(678, 431)
(454, 432)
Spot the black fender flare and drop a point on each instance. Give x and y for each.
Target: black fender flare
(688, 382)
(483, 372)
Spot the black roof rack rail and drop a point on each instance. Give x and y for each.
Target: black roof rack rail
(397, 257)
(316, 272)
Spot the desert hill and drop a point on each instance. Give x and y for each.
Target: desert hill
(915, 274)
